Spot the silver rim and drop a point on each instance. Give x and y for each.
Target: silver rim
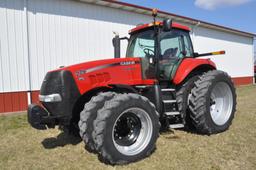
(221, 103)
(143, 136)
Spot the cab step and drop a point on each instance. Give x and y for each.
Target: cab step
(176, 126)
(172, 113)
(165, 90)
(169, 101)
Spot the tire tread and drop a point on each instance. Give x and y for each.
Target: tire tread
(100, 125)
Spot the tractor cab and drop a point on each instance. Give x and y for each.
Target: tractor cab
(162, 46)
(161, 50)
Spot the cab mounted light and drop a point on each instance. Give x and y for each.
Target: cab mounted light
(154, 12)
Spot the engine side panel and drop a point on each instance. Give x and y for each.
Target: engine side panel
(104, 72)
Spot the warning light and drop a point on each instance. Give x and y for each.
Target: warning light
(154, 12)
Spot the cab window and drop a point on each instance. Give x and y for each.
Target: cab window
(175, 44)
(141, 45)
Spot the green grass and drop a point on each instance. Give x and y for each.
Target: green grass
(22, 147)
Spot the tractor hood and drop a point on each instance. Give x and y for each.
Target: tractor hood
(99, 64)
(101, 73)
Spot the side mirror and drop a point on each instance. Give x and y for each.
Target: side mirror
(167, 25)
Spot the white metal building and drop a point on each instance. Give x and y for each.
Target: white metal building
(40, 35)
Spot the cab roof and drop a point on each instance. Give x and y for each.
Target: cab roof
(148, 25)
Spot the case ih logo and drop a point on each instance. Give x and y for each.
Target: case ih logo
(125, 63)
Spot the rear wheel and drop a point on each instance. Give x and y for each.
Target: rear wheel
(213, 102)
(126, 129)
(182, 97)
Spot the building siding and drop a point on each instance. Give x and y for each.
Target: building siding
(239, 50)
(37, 36)
(12, 47)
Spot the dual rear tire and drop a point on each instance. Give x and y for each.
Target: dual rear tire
(207, 102)
(212, 102)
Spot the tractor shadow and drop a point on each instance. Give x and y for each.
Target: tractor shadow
(61, 140)
(171, 134)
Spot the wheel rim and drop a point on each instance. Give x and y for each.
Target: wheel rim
(132, 131)
(221, 103)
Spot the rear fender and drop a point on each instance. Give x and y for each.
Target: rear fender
(190, 65)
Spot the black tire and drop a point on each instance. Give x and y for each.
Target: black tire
(200, 102)
(182, 100)
(105, 123)
(87, 116)
(70, 130)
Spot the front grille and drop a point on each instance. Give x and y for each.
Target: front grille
(52, 83)
(60, 82)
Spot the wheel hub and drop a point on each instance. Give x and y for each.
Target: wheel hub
(127, 129)
(221, 103)
(132, 131)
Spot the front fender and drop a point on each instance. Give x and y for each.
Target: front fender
(188, 65)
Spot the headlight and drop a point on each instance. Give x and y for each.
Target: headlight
(50, 98)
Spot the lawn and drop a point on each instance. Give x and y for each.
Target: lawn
(22, 147)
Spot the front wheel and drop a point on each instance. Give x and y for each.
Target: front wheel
(213, 102)
(126, 129)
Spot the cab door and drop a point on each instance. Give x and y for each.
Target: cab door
(175, 45)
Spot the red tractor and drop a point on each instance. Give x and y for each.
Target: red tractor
(119, 105)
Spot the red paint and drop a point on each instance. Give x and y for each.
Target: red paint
(2, 103)
(8, 102)
(23, 101)
(113, 73)
(195, 21)
(188, 65)
(174, 25)
(13, 101)
(242, 80)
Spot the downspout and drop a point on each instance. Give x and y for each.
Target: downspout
(28, 52)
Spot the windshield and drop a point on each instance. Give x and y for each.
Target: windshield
(175, 43)
(140, 44)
